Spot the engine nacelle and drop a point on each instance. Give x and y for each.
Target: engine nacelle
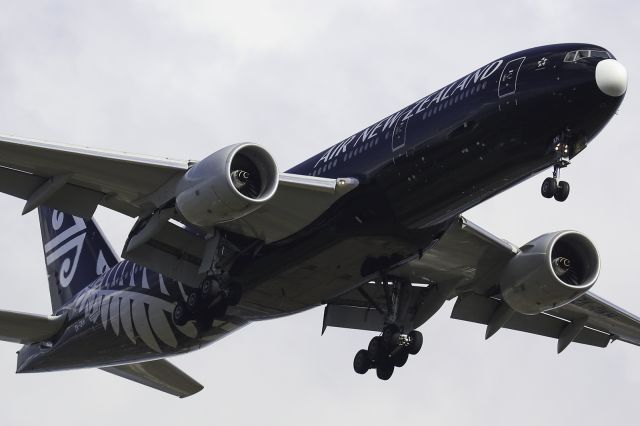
(227, 185)
(550, 271)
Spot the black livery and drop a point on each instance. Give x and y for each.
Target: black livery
(371, 227)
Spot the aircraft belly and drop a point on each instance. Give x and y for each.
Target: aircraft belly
(87, 343)
(309, 282)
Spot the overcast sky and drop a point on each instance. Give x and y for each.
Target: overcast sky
(183, 79)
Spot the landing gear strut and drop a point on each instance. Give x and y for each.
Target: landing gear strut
(393, 346)
(216, 291)
(551, 187)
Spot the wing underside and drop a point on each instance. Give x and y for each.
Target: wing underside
(78, 179)
(470, 260)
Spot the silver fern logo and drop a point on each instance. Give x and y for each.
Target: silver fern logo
(67, 244)
(133, 314)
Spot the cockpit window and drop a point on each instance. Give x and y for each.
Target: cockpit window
(581, 54)
(576, 55)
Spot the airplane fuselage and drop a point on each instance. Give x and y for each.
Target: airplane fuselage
(418, 168)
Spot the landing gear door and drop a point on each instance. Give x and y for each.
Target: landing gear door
(509, 77)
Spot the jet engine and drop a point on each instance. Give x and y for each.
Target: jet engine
(227, 185)
(550, 271)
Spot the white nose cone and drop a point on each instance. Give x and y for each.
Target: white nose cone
(611, 77)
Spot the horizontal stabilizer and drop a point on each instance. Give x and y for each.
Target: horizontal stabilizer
(160, 375)
(18, 327)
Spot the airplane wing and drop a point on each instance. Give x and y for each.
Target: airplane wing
(159, 374)
(471, 259)
(78, 179)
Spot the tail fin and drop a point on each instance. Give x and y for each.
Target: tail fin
(75, 252)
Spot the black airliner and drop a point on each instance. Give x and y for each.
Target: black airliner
(371, 228)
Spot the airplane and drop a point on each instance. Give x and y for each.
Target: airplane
(371, 229)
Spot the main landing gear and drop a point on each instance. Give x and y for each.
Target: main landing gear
(397, 341)
(209, 302)
(216, 292)
(551, 187)
(388, 351)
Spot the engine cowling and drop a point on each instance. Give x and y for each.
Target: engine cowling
(550, 271)
(227, 185)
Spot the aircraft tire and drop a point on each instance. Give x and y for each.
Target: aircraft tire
(562, 191)
(361, 362)
(549, 187)
(192, 301)
(234, 294)
(399, 359)
(180, 314)
(206, 288)
(416, 342)
(384, 370)
(377, 350)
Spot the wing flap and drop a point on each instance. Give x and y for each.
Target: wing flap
(73, 199)
(19, 327)
(364, 308)
(480, 309)
(603, 315)
(159, 374)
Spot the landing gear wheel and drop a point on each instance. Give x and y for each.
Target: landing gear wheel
(180, 314)
(207, 286)
(388, 333)
(361, 362)
(377, 351)
(562, 191)
(384, 370)
(234, 294)
(192, 301)
(400, 358)
(416, 342)
(549, 187)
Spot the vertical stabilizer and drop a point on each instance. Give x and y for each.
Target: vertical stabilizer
(75, 253)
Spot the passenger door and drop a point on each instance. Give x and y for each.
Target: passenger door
(509, 77)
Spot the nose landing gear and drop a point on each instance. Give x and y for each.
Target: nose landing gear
(551, 187)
